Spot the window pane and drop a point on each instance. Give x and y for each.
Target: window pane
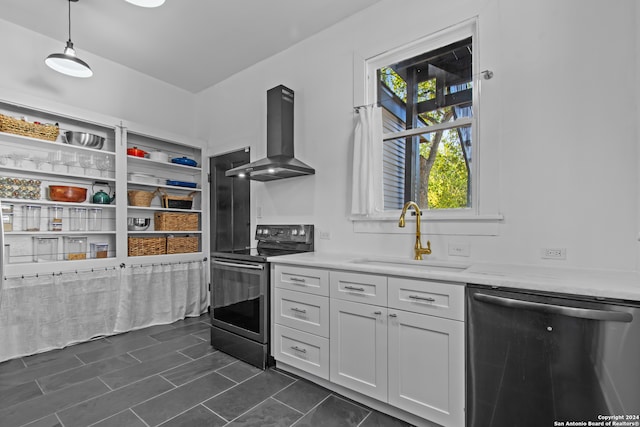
(444, 179)
(431, 89)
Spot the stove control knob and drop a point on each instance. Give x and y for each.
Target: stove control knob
(294, 232)
(259, 231)
(302, 232)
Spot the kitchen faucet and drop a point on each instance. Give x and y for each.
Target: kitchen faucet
(418, 249)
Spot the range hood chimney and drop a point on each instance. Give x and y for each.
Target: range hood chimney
(279, 162)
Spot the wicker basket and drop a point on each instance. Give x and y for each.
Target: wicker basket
(171, 201)
(24, 128)
(147, 246)
(170, 221)
(140, 198)
(181, 245)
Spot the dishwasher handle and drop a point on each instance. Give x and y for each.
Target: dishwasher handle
(583, 313)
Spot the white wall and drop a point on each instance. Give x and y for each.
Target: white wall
(560, 115)
(114, 91)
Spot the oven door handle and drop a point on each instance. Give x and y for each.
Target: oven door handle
(238, 265)
(583, 313)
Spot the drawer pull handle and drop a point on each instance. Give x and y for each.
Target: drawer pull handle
(296, 348)
(377, 313)
(422, 298)
(354, 288)
(296, 279)
(393, 315)
(298, 310)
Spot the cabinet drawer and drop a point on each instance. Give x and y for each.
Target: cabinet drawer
(427, 297)
(303, 279)
(306, 312)
(358, 287)
(302, 350)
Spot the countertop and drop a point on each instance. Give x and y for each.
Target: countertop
(619, 285)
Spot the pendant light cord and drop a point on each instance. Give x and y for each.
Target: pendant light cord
(69, 1)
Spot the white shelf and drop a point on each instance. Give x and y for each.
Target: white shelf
(143, 161)
(55, 145)
(58, 233)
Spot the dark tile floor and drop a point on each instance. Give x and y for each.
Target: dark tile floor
(166, 375)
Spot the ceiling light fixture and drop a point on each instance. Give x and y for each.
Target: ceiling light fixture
(147, 3)
(67, 62)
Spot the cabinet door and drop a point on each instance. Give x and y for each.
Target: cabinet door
(358, 347)
(426, 366)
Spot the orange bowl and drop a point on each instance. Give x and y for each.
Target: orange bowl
(64, 193)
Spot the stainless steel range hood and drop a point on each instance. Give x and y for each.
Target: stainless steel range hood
(279, 162)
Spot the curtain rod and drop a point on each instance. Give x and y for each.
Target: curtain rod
(93, 270)
(59, 273)
(375, 104)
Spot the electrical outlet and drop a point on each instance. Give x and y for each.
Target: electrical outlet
(459, 249)
(554, 253)
(326, 235)
(258, 211)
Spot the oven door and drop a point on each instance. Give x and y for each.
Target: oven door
(239, 297)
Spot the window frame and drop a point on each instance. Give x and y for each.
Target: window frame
(419, 47)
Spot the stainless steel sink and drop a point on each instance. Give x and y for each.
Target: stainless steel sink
(411, 264)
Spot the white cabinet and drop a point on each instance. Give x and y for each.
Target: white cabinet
(426, 366)
(165, 187)
(397, 340)
(82, 233)
(358, 347)
(301, 318)
(36, 227)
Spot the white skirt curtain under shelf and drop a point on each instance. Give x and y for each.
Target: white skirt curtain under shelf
(45, 312)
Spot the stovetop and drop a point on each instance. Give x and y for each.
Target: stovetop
(273, 240)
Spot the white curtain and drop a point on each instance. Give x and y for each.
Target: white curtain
(367, 192)
(45, 312)
(161, 293)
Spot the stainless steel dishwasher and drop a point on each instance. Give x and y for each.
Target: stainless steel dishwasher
(545, 359)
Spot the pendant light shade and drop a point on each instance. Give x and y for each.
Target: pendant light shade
(67, 62)
(147, 3)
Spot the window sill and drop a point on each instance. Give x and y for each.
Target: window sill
(455, 224)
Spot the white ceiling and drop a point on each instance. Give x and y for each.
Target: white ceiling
(192, 44)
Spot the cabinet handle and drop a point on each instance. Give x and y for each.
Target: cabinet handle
(296, 348)
(354, 288)
(393, 315)
(377, 313)
(298, 310)
(296, 279)
(422, 298)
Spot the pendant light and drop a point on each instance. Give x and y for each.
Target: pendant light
(67, 62)
(146, 3)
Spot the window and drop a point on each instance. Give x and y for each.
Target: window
(426, 92)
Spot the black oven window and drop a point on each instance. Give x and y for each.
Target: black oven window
(236, 300)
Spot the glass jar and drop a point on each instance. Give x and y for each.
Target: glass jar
(31, 217)
(99, 250)
(45, 249)
(75, 247)
(55, 218)
(77, 219)
(7, 221)
(95, 219)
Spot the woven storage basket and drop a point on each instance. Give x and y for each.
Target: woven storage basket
(24, 128)
(140, 198)
(171, 201)
(170, 221)
(147, 246)
(181, 245)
